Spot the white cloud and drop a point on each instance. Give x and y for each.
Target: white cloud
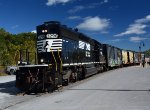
(137, 39)
(134, 29)
(137, 27)
(88, 6)
(53, 2)
(34, 31)
(105, 1)
(143, 20)
(74, 17)
(76, 9)
(94, 24)
(93, 5)
(114, 40)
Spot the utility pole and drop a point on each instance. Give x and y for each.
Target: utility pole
(140, 51)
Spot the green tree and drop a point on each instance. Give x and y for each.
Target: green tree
(11, 44)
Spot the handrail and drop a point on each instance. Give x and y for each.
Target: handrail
(54, 58)
(60, 61)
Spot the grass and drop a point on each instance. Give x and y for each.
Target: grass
(2, 67)
(3, 74)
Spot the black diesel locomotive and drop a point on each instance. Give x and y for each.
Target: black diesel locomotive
(65, 55)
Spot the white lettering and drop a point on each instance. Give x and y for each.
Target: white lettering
(41, 37)
(52, 35)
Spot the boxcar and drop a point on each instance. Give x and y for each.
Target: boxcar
(118, 57)
(125, 57)
(136, 58)
(130, 57)
(113, 56)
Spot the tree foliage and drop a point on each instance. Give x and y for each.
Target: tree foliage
(11, 44)
(147, 53)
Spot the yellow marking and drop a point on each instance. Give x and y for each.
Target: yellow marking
(60, 61)
(54, 58)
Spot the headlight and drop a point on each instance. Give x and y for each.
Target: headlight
(45, 30)
(42, 60)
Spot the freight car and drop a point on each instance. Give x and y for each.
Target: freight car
(136, 58)
(113, 56)
(125, 57)
(64, 55)
(118, 57)
(130, 57)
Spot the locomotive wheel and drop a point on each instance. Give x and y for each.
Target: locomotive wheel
(79, 75)
(66, 82)
(76, 77)
(73, 77)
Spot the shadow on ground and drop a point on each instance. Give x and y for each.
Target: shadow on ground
(111, 89)
(9, 88)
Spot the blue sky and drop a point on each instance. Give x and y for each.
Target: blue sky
(122, 23)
